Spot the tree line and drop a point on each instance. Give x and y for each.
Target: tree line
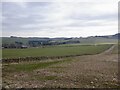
(36, 43)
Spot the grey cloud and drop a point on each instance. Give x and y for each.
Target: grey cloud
(112, 16)
(35, 17)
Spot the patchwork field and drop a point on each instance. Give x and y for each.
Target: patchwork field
(86, 71)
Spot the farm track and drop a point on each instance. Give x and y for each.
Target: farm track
(88, 71)
(109, 51)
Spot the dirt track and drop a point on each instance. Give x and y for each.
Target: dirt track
(91, 71)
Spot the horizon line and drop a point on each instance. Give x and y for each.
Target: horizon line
(56, 37)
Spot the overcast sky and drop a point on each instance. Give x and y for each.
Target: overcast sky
(60, 19)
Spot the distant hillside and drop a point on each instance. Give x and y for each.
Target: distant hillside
(105, 39)
(56, 41)
(116, 36)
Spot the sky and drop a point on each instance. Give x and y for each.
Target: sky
(68, 18)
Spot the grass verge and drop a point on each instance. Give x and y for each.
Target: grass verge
(33, 66)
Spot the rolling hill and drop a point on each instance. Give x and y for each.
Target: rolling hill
(80, 40)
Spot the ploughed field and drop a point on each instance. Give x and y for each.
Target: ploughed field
(86, 71)
(55, 51)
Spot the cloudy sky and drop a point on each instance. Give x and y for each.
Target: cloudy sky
(59, 18)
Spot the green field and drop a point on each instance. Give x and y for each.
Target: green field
(55, 51)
